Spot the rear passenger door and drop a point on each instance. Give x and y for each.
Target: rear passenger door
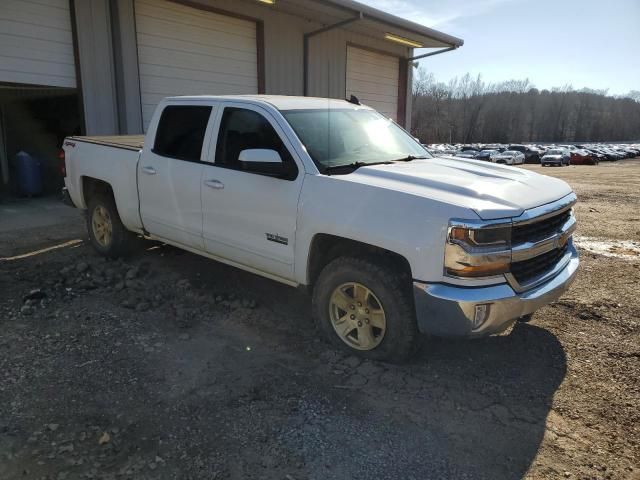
(170, 173)
(250, 218)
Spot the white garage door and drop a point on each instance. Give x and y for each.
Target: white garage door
(36, 44)
(187, 51)
(373, 78)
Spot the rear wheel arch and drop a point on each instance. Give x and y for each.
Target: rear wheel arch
(93, 186)
(102, 216)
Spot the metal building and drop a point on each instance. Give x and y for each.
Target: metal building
(101, 66)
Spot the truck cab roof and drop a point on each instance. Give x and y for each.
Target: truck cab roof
(280, 102)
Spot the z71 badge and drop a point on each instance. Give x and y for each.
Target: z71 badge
(272, 237)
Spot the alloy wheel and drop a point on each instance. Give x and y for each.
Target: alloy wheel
(102, 226)
(357, 316)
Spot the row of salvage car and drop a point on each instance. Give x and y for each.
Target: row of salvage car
(545, 155)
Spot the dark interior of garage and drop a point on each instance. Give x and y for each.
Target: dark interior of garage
(33, 124)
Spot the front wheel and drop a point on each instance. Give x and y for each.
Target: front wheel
(366, 308)
(106, 232)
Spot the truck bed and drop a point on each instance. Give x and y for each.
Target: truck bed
(127, 142)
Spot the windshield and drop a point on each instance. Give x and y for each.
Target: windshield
(554, 152)
(344, 137)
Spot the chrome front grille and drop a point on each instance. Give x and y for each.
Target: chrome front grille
(532, 232)
(528, 270)
(540, 246)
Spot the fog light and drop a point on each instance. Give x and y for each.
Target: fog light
(481, 314)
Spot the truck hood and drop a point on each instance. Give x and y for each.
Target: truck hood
(492, 191)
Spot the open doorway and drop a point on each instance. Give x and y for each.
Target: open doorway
(35, 120)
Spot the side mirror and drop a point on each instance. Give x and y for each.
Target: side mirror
(261, 160)
(259, 155)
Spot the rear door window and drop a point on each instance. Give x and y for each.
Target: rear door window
(181, 130)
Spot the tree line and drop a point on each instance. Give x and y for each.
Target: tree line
(469, 110)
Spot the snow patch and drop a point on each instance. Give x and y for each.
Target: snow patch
(609, 248)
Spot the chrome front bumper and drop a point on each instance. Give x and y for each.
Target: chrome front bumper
(450, 310)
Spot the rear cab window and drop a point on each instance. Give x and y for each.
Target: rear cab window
(181, 131)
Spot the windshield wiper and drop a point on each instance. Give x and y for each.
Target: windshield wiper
(408, 158)
(352, 166)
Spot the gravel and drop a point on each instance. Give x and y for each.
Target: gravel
(166, 365)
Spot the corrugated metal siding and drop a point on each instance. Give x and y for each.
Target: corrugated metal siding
(36, 45)
(283, 54)
(373, 78)
(328, 60)
(95, 55)
(283, 42)
(283, 35)
(185, 51)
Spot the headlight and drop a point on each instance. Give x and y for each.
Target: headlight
(478, 252)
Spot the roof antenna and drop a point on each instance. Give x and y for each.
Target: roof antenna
(353, 99)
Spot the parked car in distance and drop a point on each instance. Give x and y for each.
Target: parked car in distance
(612, 155)
(556, 157)
(509, 157)
(583, 157)
(487, 155)
(597, 154)
(531, 154)
(261, 183)
(467, 154)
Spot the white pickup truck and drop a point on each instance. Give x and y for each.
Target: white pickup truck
(332, 196)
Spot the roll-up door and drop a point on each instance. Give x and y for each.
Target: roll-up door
(373, 77)
(188, 51)
(36, 44)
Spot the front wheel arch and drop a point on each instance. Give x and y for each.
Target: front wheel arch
(324, 248)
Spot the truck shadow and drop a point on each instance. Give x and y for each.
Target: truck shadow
(460, 409)
(490, 397)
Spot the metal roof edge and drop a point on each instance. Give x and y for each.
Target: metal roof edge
(392, 20)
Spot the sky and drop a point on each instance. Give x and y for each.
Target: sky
(582, 43)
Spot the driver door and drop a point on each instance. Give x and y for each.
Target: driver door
(250, 218)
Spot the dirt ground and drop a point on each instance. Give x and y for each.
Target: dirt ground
(172, 366)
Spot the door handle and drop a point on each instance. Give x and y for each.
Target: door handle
(216, 184)
(149, 170)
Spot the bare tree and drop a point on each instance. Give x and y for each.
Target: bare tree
(467, 109)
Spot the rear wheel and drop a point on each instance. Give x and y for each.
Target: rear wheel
(106, 232)
(366, 309)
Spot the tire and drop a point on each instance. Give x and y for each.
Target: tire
(389, 289)
(118, 241)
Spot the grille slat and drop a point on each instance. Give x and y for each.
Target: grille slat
(533, 232)
(528, 270)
